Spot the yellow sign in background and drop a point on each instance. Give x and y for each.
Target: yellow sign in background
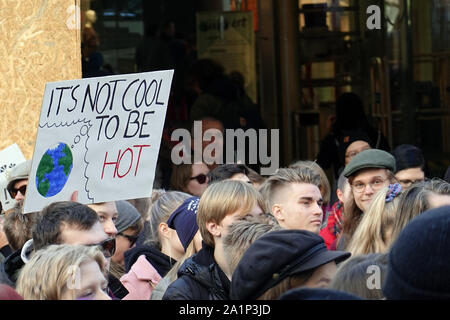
(39, 43)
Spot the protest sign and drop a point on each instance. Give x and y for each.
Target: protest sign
(9, 158)
(99, 137)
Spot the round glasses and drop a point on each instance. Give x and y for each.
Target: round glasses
(374, 184)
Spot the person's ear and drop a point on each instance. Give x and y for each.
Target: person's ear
(340, 195)
(277, 211)
(214, 228)
(164, 230)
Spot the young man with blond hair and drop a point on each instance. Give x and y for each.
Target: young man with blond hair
(293, 197)
(206, 275)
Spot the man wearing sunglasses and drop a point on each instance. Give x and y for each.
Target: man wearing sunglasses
(63, 222)
(18, 180)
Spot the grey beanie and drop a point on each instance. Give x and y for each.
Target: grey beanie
(127, 215)
(19, 172)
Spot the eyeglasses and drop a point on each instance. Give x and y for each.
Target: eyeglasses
(13, 191)
(374, 184)
(108, 247)
(201, 178)
(132, 239)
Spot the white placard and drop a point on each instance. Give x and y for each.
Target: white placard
(9, 158)
(99, 137)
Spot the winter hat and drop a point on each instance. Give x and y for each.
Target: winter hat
(276, 256)
(19, 172)
(372, 158)
(127, 215)
(419, 259)
(347, 138)
(408, 156)
(184, 220)
(317, 294)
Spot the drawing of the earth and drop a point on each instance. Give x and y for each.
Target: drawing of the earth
(54, 170)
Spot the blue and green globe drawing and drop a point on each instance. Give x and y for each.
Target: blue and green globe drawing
(54, 170)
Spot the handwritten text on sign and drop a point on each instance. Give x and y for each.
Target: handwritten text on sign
(100, 137)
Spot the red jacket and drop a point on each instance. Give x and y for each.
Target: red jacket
(334, 226)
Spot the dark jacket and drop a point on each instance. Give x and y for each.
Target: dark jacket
(199, 278)
(161, 262)
(116, 287)
(10, 267)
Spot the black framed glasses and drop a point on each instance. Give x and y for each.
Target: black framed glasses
(201, 178)
(13, 191)
(108, 247)
(132, 239)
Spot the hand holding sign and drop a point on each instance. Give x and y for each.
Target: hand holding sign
(98, 139)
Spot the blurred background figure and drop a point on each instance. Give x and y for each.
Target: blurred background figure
(190, 178)
(410, 165)
(350, 116)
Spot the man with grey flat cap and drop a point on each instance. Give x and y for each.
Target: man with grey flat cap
(18, 180)
(368, 172)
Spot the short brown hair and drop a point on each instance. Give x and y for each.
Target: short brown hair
(18, 227)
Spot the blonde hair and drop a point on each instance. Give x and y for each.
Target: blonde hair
(283, 177)
(372, 234)
(242, 233)
(160, 212)
(46, 275)
(325, 188)
(223, 198)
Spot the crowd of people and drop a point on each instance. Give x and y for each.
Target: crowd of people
(241, 236)
(380, 229)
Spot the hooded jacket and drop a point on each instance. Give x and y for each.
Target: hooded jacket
(11, 266)
(199, 278)
(140, 280)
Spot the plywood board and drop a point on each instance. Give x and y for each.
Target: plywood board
(39, 43)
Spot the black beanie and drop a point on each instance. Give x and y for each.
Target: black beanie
(419, 260)
(408, 156)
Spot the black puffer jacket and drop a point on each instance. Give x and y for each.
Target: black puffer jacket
(199, 278)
